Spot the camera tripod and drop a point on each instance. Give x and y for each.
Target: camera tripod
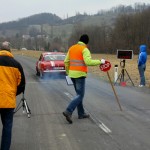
(24, 106)
(122, 74)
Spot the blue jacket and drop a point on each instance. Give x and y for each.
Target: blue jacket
(142, 55)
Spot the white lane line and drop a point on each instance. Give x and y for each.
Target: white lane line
(97, 122)
(68, 95)
(104, 128)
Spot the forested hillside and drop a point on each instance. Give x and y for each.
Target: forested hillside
(121, 27)
(38, 19)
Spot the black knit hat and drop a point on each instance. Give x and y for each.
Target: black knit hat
(84, 38)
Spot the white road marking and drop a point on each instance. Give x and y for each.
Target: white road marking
(98, 122)
(104, 128)
(63, 134)
(68, 95)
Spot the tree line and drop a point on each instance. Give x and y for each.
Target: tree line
(131, 29)
(128, 32)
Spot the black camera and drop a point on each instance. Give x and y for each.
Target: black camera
(124, 54)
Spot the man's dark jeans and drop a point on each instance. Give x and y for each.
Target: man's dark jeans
(7, 122)
(79, 85)
(141, 72)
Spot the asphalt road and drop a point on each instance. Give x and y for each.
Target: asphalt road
(107, 129)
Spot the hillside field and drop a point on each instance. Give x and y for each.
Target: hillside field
(130, 66)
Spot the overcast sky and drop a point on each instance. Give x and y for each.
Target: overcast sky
(11, 10)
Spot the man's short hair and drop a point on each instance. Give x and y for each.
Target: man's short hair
(5, 46)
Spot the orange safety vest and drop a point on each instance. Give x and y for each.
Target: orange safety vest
(76, 58)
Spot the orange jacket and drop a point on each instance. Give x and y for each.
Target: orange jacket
(12, 80)
(76, 58)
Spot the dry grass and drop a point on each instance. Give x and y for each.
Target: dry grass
(130, 66)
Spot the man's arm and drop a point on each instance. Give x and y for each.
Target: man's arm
(21, 86)
(88, 59)
(67, 63)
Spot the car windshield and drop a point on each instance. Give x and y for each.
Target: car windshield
(54, 57)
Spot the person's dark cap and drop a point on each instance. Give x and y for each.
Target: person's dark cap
(84, 38)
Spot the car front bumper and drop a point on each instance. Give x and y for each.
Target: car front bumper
(51, 71)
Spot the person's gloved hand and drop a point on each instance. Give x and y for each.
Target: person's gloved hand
(102, 61)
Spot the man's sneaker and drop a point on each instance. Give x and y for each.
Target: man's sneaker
(141, 85)
(84, 116)
(68, 116)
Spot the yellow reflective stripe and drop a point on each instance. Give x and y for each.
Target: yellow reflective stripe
(77, 63)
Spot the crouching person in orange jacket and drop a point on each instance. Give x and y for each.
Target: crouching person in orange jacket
(12, 83)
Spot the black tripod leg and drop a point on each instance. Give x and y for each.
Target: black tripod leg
(18, 107)
(27, 109)
(129, 77)
(23, 107)
(118, 77)
(122, 77)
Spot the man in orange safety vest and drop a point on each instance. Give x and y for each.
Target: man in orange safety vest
(76, 62)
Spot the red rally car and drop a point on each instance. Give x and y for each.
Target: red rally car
(49, 63)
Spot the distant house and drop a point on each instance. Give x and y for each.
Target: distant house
(26, 36)
(23, 48)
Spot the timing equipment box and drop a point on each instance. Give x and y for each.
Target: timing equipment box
(124, 54)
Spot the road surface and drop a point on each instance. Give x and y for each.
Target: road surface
(107, 129)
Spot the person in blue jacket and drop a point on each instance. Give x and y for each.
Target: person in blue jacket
(142, 64)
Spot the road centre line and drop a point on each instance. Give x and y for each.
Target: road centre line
(99, 123)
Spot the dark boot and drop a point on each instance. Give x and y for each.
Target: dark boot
(68, 116)
(84, 116)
